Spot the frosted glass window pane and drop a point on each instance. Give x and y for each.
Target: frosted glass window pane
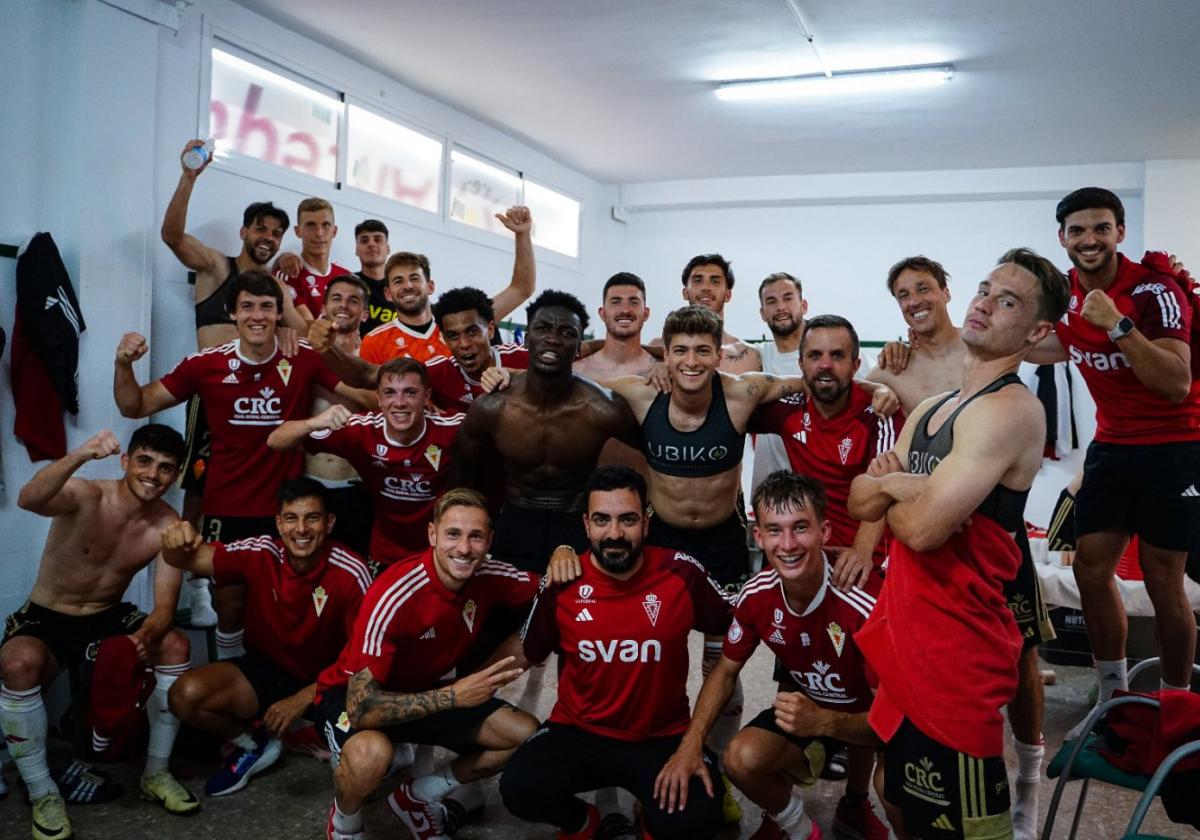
(479, 190)
(555, 219)
(264, 115)
(393, 161)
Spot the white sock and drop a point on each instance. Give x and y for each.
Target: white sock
(346, 823)
(792, 820)
(422, 764)
(1111, 676)
(1025, 799)
(1163, 685)
(229, 645)
(23, 716)
(469, 796)
(1029, 761)
(433, 787)
(164, 726)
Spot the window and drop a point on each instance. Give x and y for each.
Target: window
(268, 116)
(390, 160)
(479, 190)
(555, 219)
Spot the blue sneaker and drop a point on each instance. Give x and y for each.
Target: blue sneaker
(254, 752)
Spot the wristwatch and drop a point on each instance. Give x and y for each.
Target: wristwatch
(1123, 328)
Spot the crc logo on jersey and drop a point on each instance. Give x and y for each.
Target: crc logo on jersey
(1020, 606)
(1099, 361)
(924, 782)
(844, 448)
(469, 614)
(263, 410)
(415, 488)
(683, 454)
(735, 632)
(585, 594)
(822, 683)
(652, 606)
(620, 650)
(285, 371)
(836, 635)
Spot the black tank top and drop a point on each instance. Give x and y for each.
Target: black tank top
(211, 311)
(714, 448)
(1003, 505)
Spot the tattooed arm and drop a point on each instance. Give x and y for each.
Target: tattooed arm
(370, 706)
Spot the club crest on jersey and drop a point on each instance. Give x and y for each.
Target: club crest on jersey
(652, 606)
(805, 639)
(844, 448)
(381, 450)
(320, 596)
(585, 594)
(778, 618)
(343, 722)
(836, 635)
(234, 364)
(469, 614)
(735, 632)
(433, 454)
(285, 371)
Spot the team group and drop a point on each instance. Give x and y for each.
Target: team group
(400, 516)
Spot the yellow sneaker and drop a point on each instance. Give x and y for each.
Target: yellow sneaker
(730, 805)
(161, 787)
(50, 818)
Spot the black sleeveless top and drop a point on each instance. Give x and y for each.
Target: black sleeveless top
(714, 448)
(212, 310)
(1003, 505)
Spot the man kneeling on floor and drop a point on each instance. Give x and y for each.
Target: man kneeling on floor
(808, 624)
(303, 592)
(621, 631)
(417, 622)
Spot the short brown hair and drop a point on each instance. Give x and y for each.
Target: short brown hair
(406, 258)
(399, 367)
(783, 490)
(312, 205)
(1053, 289)
(919, 263)
(693, 320)
(779, 275)
(353, 280)
(258, 284)
(460, 497)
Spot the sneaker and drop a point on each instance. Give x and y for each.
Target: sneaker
(835, 767)
(161, 787)
(731, 808)
(243, 763)
(616, 826)
(425, 820)
(304, 739)
(590, 829)
(332, 833)
(50, 818)
(83, 784)
(858, 822)
(460, 804)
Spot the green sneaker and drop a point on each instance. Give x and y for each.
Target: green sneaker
(50, 818)
(729, 805)
(162, 788)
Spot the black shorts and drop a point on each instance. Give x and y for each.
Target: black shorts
(816, 750)
(942, 792)
(720, 549)
(227, 529)
(352, 507)
(198, 440)
(270, 682)
(558, 761)
(1023, 595)
(526, 537)
(1152, 490)
(72, 639)
(454, 729)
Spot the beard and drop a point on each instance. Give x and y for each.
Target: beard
(783, 330)
(620, 564)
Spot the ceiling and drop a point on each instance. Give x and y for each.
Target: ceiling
(622, 89)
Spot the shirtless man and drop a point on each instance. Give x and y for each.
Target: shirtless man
(953, 490)
(103, 533)
(935, 366)
(782, 307)
(708, 282)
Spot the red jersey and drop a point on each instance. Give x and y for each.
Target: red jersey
(835, 450)
(816, 647)
(404, 481)
(243, 402)
(412, 631)
(936, 608)
(454, 390)
(308, 287)
(299, 622)
(1126, 410)
(623, 645)
(396, 338)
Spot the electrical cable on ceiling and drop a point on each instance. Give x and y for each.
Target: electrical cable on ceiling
(809, 37)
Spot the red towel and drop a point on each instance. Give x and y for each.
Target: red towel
(121, 685)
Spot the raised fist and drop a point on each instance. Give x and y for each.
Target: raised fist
(332, 418)
(320, 335)
(181, 535)
(517, 219)
(100, 445)
(132, 347)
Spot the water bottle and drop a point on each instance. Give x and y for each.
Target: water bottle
(195, 157)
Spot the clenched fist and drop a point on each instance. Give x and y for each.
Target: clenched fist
(132, 347)
(101, 445)
(181, 536)
(517, 219)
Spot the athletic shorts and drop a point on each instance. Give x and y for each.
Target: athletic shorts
(559, 761)
(1060, 536)
(72, 639)
(720, 549)
(943, 793)
(352, 507)
(227, 529)
(816, 750)
(1152, 490)
(1023, 594)
(270, 682)
(198, 440)
(526, 537)
(454, 729)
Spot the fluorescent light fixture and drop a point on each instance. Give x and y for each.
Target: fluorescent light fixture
(818, 84)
